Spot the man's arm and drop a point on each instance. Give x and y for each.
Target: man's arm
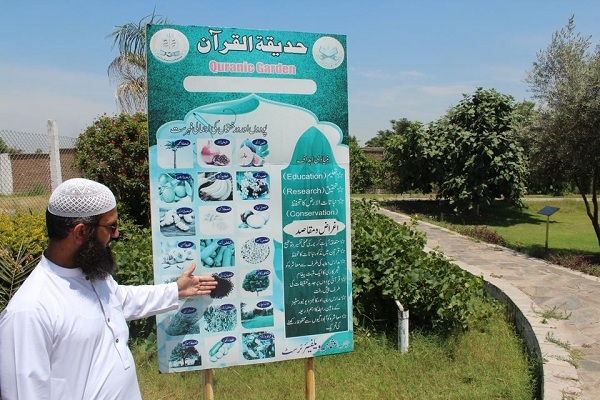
(147, 300)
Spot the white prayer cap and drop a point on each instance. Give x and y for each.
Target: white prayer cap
(79, 197)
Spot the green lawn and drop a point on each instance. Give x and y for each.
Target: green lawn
(570, 232)
(484, 363)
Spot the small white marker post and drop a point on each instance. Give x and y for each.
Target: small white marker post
(402, 328)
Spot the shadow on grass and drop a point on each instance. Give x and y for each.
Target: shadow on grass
(500, 214)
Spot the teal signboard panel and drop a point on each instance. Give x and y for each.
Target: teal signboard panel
(249, 180)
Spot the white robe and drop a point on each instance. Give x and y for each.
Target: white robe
(63, 338)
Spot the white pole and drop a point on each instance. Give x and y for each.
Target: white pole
(55, 170)
(402, 328)
(6, 175)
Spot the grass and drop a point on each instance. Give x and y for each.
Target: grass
(23, 202)
(571, 238)
(483, 363)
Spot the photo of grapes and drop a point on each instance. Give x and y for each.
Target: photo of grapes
(253, 185)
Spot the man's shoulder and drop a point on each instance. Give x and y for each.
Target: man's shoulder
(34, 292)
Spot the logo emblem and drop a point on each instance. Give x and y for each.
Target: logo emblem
(169, 45)
(328, 52)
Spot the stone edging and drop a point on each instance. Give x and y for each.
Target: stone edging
(559, 377)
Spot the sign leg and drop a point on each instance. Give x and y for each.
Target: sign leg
(208, 383)
(309, 372)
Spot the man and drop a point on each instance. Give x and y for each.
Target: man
(64, 334)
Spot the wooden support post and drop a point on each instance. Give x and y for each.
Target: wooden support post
(208, 385)
(309, 372)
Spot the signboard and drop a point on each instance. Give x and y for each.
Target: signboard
(249, 179)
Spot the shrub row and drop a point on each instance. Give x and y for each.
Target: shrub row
(388, 263)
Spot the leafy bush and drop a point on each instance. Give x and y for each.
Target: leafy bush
(22, 240)
(576, 262)
(365, 172)
(22, 231)
(114, 151)
(389, 264)
(133, 253)
(14, 269)
(483, 233)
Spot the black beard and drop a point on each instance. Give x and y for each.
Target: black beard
(95, 260)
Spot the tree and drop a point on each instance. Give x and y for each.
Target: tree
(566, 79)
(365, 172)
(4, 148)
(181, 353)
(399, 127)
(128, 69)
(409, 157)
(478, 152)
(472, 154)
(114, 151)
(255, 281)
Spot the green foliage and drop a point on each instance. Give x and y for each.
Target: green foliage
(23, 231)
(14, 269)
(482, 233)
(477, 154)
(255, 282)
(409, 156)
(4, 148)
(389, 264)
(471, 156)
(114, 151)
(400, 127)
(566, 78)
(22, 240)
(133, 253)
(365, 172)
(128, 69)
(483, 363)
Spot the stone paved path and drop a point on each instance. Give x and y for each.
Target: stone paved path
(569, 344)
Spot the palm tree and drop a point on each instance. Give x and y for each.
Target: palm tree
(174, 146)
(128, 69)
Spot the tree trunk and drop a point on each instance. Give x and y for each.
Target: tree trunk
(592, 211)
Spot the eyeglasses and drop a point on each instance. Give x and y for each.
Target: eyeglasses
(113, 228)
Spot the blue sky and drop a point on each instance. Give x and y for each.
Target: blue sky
(406, 59)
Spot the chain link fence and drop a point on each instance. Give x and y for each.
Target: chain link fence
(26, 164)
